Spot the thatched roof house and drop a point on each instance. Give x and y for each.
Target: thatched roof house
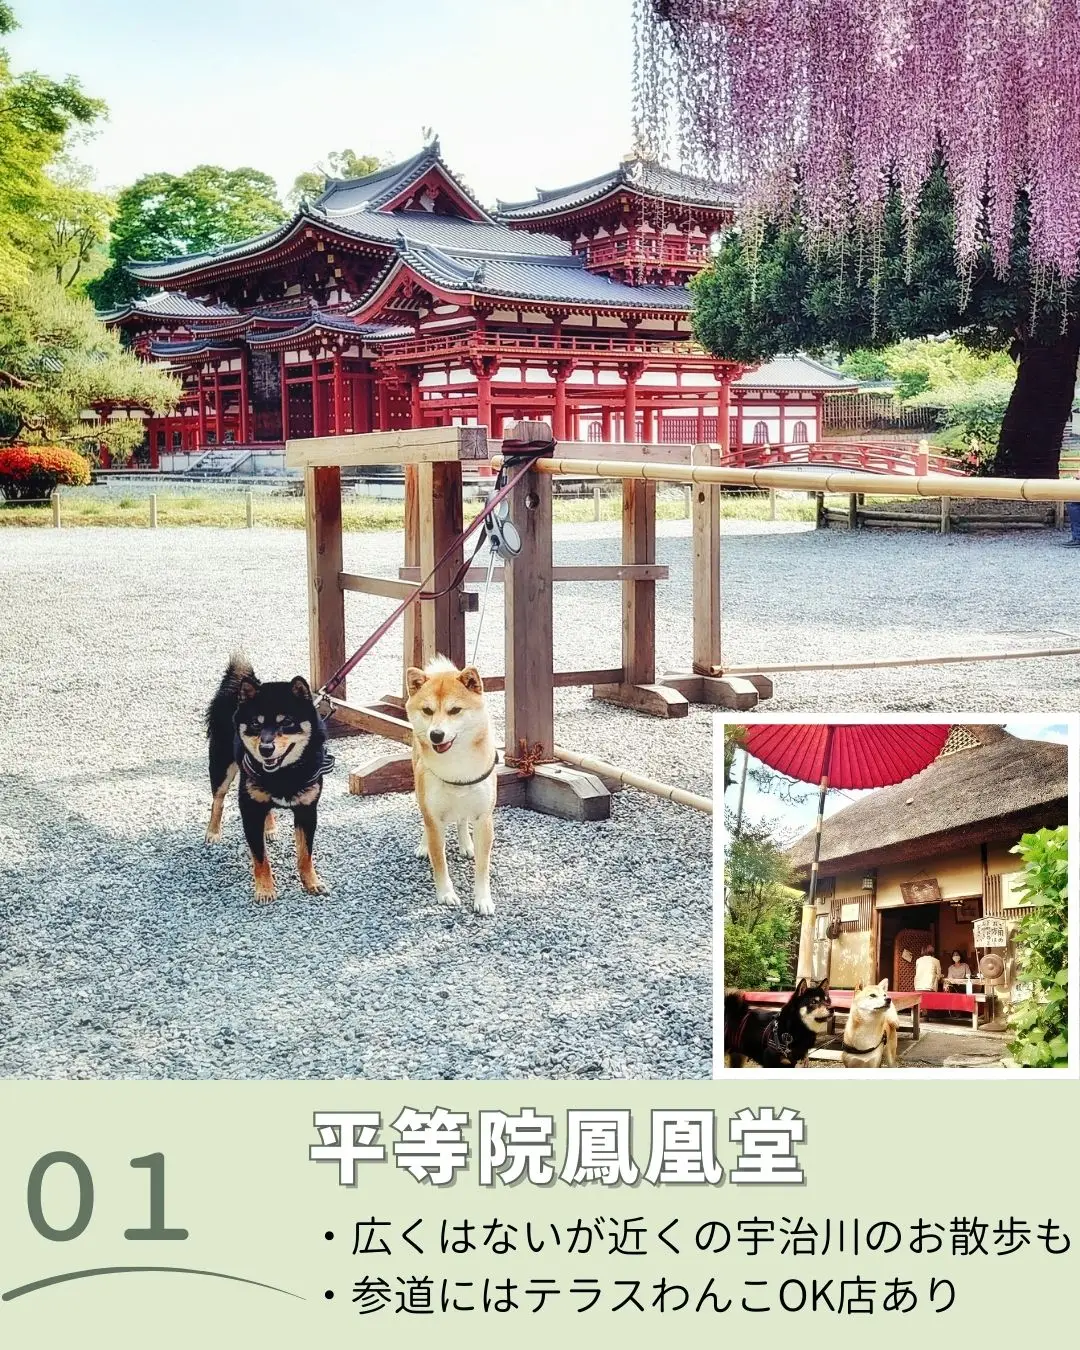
(918, 864)
(985, 787)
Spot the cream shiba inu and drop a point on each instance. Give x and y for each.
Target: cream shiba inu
(870, 1031)
(454, 759)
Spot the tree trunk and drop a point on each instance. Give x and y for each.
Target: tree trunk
(1030, 442)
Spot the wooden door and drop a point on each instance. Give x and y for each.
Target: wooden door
(911, 940)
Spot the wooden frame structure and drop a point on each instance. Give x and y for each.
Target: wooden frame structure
(561, 782)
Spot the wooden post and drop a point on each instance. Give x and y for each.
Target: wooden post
(705, 682)
(638, 688)
(530, 699)
(772, 503)
(946, 517)
(56, 508)
(553, 789)
(596, 503)
(853, 511)
(442, 621)
(413, 654)
(153, 510)
(250, 507)
(688, 501)
(326, 600)
(821, 520)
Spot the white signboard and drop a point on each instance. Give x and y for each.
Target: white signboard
(989, 933)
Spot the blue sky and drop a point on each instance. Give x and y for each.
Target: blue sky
(797, 817)
(522, 93)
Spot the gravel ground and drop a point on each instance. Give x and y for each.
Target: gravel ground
(130, 949)
(831, 595)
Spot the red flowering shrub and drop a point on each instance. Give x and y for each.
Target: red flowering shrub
(29, 472)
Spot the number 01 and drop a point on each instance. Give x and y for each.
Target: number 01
(156, 1232)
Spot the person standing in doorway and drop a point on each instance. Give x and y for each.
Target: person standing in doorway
(927, 971)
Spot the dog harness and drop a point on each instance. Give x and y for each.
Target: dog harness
(772, 1039)
(265, 781)
(468, 782)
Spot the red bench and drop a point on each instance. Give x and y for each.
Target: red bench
(941, 1002)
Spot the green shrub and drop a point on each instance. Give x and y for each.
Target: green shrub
(1041, 1019)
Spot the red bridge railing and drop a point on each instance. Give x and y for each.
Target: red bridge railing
(864, 456)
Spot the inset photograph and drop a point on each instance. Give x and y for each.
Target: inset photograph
(895, 895)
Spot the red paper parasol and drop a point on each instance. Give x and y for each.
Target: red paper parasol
(865, 755)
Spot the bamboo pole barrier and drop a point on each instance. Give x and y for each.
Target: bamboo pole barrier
(953, 658)
(838, 484)
(604, 770)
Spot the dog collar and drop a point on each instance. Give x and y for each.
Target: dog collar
(850, 1049)
(469, 782)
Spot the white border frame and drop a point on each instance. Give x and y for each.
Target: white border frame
(721, 720)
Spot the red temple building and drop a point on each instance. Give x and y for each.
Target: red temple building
(397, 300)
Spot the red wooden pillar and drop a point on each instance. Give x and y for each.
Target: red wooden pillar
(699, 433)
(630, 373)
(382, 403)
(201, 408)
(649, 430)
(284, 398)
(245, 420)
(339, 397)
(416, 400)
(605, 424)
(318, 422)
(219, 411)
(483, 396)
(558, 421)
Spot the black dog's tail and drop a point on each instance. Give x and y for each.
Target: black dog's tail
(224, 703)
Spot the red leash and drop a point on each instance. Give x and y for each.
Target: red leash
(420, 594)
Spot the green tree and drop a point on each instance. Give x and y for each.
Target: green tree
(1041, 1019)
(337, 164)
(56, 360)
(36, 115)
(771, 289)
(165, 215)
(762, 912)
(75, 219)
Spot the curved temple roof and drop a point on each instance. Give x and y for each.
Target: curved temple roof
(467, 252)
(641, 176)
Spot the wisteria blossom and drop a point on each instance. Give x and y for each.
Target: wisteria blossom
(836, 95)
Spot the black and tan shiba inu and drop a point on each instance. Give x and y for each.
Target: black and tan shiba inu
(271, 736)
(775, 1040)
(454, 759)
